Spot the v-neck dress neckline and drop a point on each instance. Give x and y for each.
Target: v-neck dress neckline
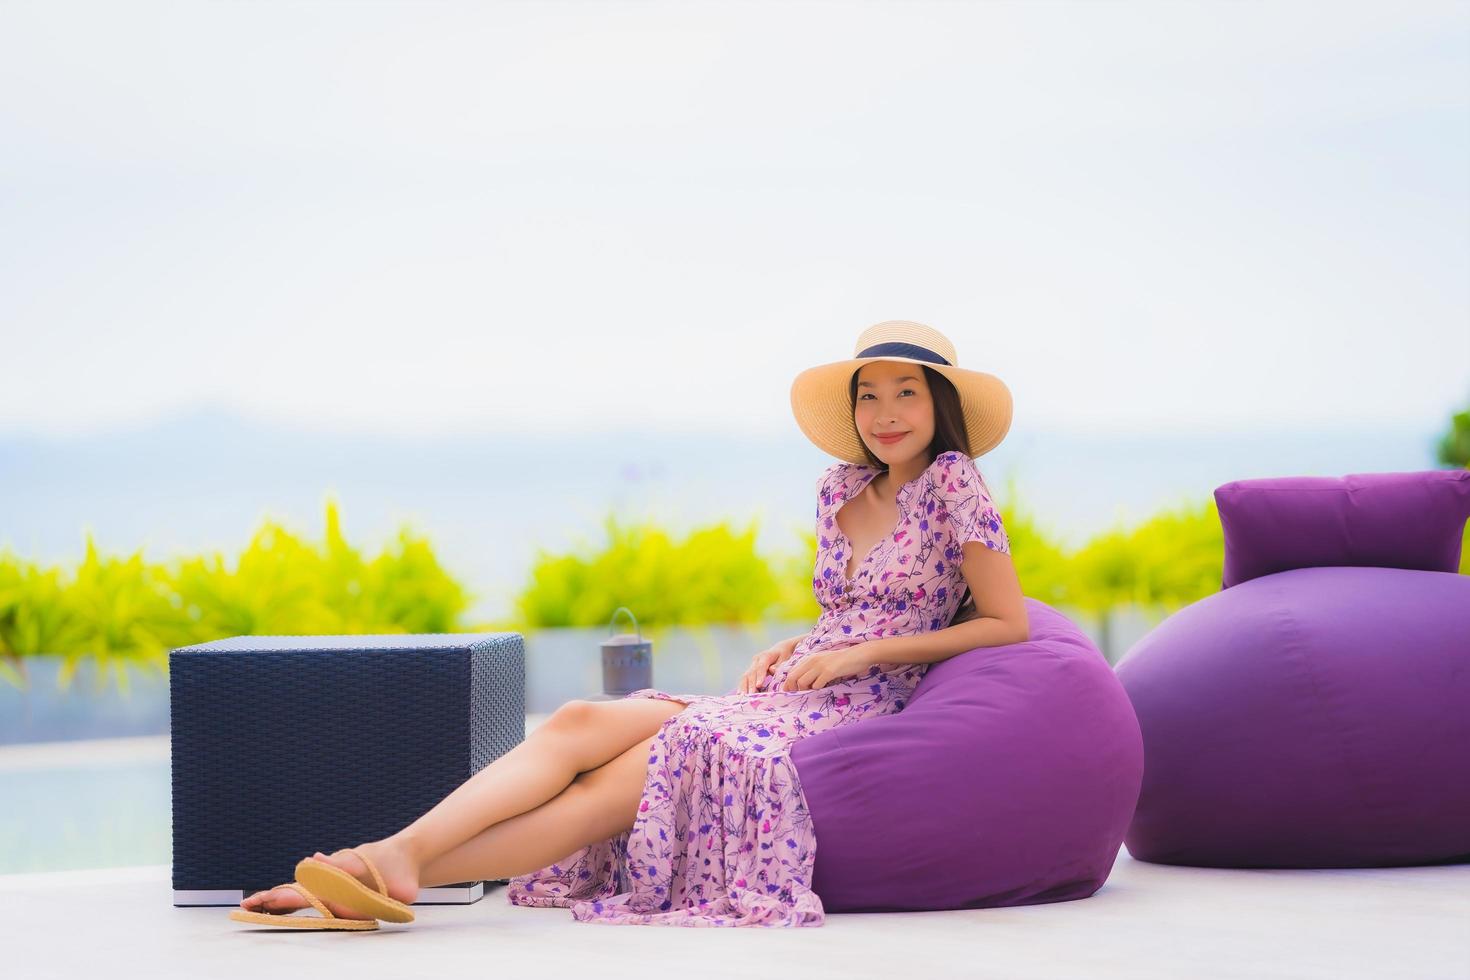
(845, 579)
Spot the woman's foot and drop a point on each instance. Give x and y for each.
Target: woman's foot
(400, 876)
(284, 901)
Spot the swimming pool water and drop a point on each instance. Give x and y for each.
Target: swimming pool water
(108, 813)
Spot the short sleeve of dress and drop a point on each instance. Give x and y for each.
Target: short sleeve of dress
(828, 485)
(969, 511)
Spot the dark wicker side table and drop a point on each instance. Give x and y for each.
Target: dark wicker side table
(285, 745)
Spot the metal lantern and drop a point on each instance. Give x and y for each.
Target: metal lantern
(627, 660)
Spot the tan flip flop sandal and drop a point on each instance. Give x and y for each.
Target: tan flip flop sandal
(336, 885)
(290, 920)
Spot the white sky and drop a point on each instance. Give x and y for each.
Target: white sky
(419, 217)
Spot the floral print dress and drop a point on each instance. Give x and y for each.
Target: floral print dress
(723, 836)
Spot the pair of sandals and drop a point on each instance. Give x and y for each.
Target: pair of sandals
(335, 885)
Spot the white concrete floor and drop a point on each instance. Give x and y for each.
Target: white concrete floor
(1148, 921)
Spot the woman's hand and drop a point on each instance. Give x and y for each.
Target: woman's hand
(755, 676)
(825, 666)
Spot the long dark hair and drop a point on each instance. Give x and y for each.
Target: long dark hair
(949, 436)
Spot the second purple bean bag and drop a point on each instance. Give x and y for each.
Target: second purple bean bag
(1009, 778)
(1315, 713)
(1312, 718)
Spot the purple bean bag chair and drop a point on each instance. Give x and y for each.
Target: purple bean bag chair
(1008, 779)
(1314, 713)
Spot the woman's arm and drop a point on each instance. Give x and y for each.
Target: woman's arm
(936, 645)
(999, 624)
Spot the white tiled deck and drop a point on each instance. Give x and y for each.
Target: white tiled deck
(1148, 921)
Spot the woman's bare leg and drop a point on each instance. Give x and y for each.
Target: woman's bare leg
(595, 806)
(579, 737)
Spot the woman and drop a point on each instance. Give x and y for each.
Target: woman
(684, 809)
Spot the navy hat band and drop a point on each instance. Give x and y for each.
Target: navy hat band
(897, 348)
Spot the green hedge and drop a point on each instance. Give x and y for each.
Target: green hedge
(127, 611)
(123, 610)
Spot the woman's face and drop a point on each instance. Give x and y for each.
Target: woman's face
(893, 397)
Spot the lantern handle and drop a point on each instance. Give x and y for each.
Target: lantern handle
(630, 616)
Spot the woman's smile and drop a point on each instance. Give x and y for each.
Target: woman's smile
(890, 438)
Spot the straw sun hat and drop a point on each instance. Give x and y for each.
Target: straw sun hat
(823, 407)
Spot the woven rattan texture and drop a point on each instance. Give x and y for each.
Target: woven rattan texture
(286, 745)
